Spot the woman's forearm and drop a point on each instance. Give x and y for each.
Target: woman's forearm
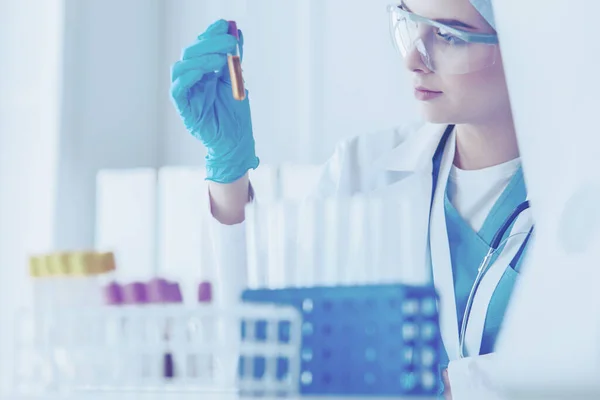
(228, 201)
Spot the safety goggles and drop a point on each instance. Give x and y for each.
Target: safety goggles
(442, 48)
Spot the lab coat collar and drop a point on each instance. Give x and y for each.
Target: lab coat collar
(416, 151)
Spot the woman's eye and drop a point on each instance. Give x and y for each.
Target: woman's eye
(448, 37)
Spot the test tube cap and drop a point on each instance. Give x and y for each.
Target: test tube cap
(158, 290)
(36, 266)
(59, 264)
(174, 293)
(82, 263)
(135, 293)
(205, 292)
(233, 29)
(113, 294)
(106, 262)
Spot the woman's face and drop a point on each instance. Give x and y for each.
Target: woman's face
(478, 97)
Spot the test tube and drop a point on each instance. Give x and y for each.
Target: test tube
(306, 237)
(276, 267)
(255, 254)
(141, 363)
(357, 269)
(235, 66)
(378, 244)
(173, 335)
(335, 259)
(202, 335)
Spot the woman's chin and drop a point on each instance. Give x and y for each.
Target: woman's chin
(437, 114)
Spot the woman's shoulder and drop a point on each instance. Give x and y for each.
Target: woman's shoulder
(354, 165)
(377, 143)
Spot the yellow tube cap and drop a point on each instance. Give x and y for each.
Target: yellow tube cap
(58, 264)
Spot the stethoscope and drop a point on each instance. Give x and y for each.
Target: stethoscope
(497, 241)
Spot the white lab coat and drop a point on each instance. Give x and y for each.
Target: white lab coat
(400, 162)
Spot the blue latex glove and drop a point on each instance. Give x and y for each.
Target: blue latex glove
(202, 94)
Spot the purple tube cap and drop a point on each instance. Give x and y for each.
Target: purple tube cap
(135, 293)
(205, 292)
(158, 290)
(233, 30)
(174, 293)
(113, 294)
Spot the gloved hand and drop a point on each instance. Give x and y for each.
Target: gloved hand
(202, 94)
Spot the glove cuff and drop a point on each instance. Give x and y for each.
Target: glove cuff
(228, 168)
(228, 173)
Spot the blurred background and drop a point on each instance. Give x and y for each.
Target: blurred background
(84, 88)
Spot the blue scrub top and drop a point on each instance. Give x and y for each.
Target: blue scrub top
(468, 248)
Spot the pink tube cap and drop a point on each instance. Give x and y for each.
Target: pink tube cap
(174, 293)
(135, 293)
(113, 294)
(205, 292)
(157, 290)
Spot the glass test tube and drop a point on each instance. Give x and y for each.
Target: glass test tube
(235, 66)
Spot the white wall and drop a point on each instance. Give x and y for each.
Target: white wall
(318, 71)
(550, 338)
(29, 131)
(111, 97)
(365, 86)
(85, 87)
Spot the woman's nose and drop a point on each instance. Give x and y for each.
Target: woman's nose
(414, 58)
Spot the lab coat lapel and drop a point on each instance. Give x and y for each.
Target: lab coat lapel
(490, 281)
(415, 155)
(440, 257)
(407, 167)
(415, 152)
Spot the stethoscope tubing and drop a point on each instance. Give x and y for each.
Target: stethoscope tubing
(495, 245)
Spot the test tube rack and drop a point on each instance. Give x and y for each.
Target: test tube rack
(379, 340)
(122, 349)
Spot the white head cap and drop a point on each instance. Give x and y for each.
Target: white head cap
(485, 9)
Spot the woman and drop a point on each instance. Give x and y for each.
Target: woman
(464, 163)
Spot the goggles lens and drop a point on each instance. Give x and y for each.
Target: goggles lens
(443, 49)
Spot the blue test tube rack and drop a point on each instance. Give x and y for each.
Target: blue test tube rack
(375, 340)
